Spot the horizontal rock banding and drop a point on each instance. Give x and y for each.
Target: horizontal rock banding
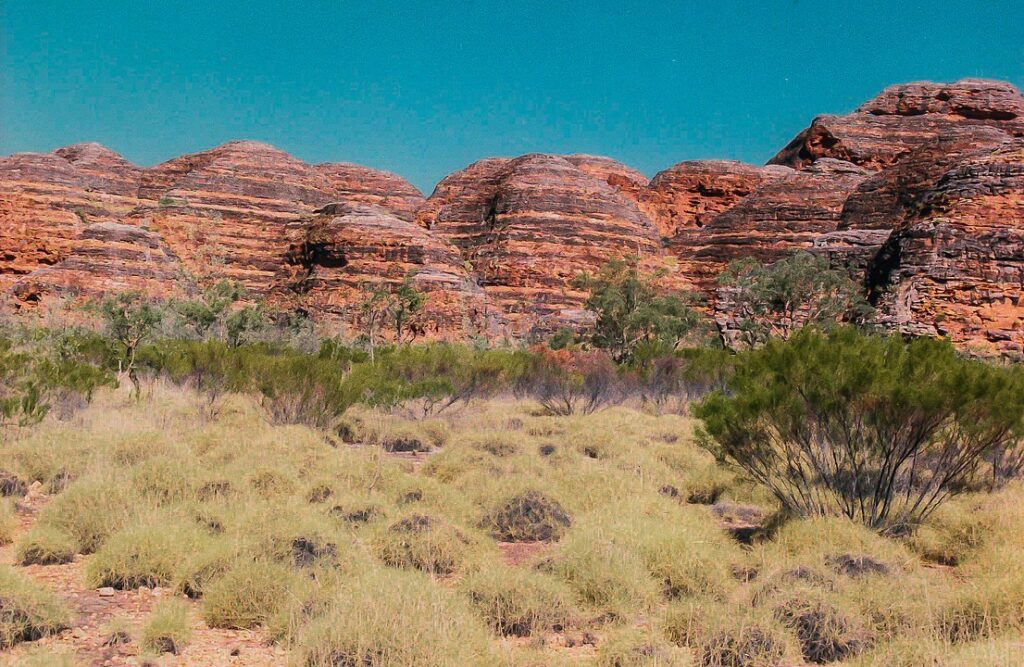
(336, 259)
(916, 193)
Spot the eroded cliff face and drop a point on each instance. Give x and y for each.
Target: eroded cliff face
(345, 250)
(786, 213)
(885, 129)
(47, 201)
(917, 193)
(956, 266)
(225, 211)
(528, 226)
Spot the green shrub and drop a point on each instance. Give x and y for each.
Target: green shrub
(519, 603)
(873, 428)
(27, 612)
(167, 629)
(434, 377)
(300, 389)
(778, 299)
(44, 545)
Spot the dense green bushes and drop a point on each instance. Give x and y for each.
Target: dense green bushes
(877, 429)
(38, 374)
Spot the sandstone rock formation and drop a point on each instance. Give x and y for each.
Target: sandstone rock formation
(787, 212)
(956, 268)
(47, 200)
(690, 194)
(883, 130)
(224, 211)
(917, 193)
(528, 226)
(336, 257)
(883, 202)
(107, 258)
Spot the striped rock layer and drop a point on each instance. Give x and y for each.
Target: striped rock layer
(917, 193)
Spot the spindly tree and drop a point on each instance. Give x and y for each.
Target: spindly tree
(130, 319)
(633, 313)
(390, 307)
(776, 300)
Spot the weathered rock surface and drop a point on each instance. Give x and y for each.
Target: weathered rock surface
(901, 118)
(225, 211)
(884, 201)
(528, 226)
(335, 257)
(956, 267)
(786, 213)
(690, 194)
(918, 193)
(361, 185)
(46, 201)
(107, 258)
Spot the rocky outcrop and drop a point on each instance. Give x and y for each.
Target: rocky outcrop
(884, 201)
(528, 226)
(339, 256)
(361, 185)
(225, 211)
(884, 130)
(47, 200)
(690, 195)
(108, 258)
(956, 267)
(788, 212)
(917, 193)
(625, 180)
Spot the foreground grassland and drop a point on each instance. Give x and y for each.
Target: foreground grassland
(496, 535)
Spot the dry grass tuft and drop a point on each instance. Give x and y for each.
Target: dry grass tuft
(27, 611)
(44, 545)
(167, 629)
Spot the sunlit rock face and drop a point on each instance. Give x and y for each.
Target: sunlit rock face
(917, 194)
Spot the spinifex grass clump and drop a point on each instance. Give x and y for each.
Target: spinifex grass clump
(427, 543)
(248, 594)
(45, 546)
(391, 618)
(519, 603)
(27, 611)
(167, 629)
(529, 516)
(7, 522)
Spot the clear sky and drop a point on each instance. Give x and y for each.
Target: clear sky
(425, 88)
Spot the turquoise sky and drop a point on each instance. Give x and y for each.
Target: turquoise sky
(424, 88)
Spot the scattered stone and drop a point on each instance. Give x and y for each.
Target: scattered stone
(106, 592)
